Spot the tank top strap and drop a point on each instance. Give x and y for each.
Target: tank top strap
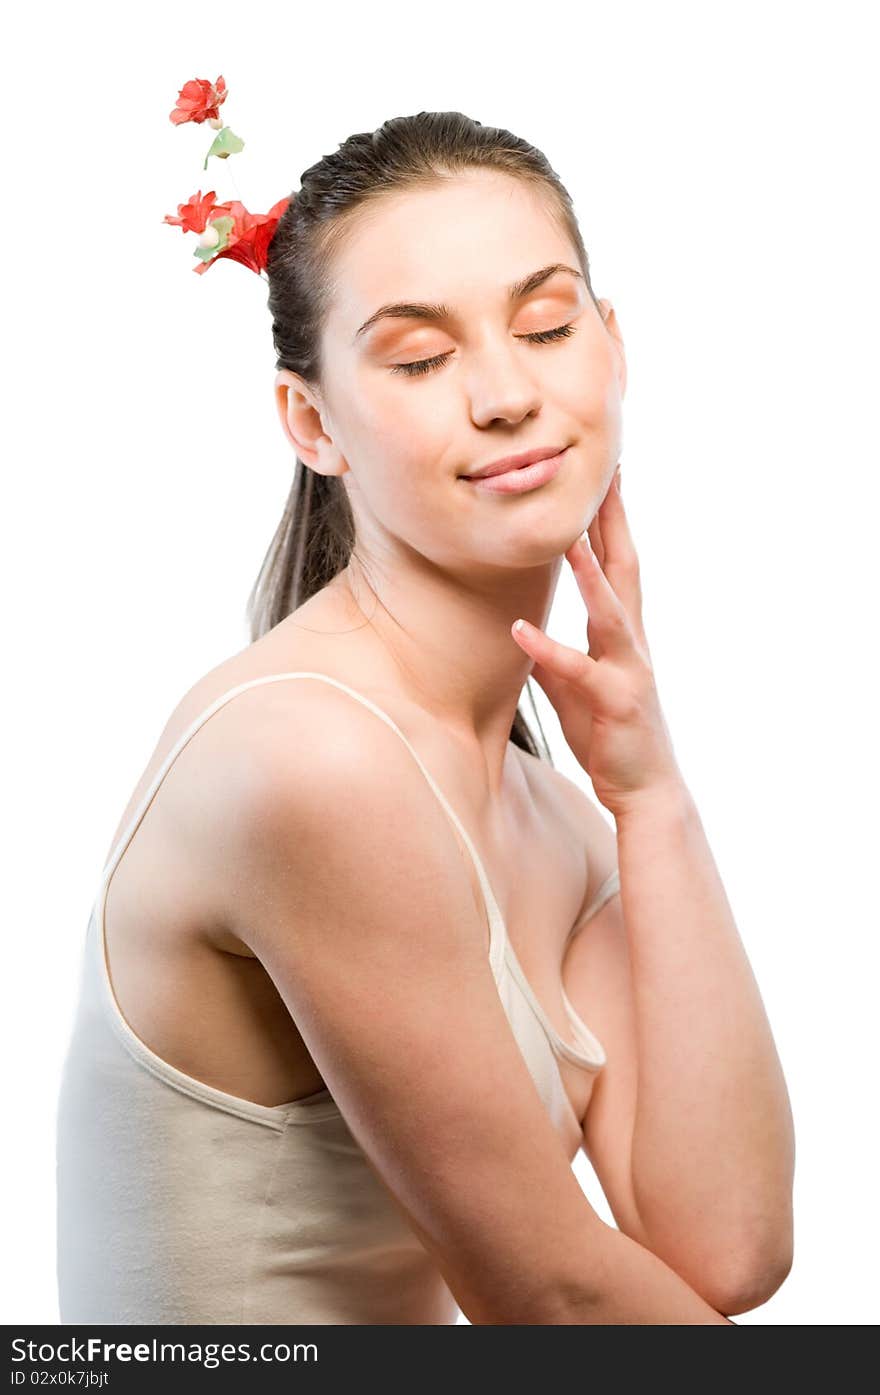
(493, 912)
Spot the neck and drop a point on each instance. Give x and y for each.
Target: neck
(449, 644)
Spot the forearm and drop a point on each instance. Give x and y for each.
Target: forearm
(628, 1284)
(713, 1142)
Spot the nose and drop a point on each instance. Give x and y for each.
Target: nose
(501, 384)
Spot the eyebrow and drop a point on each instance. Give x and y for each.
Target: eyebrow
(419, 310)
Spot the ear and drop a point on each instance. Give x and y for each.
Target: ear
(300, 414)
(609, 319)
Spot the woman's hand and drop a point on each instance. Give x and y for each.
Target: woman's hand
(607, 700)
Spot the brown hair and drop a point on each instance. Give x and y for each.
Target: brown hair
(316, 536)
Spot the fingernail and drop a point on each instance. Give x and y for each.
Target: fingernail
(617, 480)
(520, 625)
(584, 541)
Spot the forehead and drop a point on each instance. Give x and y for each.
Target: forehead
(462, 242)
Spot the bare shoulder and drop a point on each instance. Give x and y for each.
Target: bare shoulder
(262, 723)
(302, 775)
(252, 737)
(293, 744)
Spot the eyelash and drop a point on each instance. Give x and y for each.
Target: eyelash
(425, 365)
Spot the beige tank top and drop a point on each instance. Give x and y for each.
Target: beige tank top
(179, 1203)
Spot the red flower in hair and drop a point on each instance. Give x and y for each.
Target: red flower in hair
(228, 230)
(193, 216)
(199, 100)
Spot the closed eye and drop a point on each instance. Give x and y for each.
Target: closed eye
(425, 365)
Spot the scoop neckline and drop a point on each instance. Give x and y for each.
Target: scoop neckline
(597, 1057)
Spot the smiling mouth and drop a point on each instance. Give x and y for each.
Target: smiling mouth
(518, 479)
(513, 462)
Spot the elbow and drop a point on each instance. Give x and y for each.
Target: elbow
(754, 1280)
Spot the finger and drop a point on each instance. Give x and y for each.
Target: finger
(608, 615)
(594, 640)
(620, 561)
(560, 661)
(554, 687)
(596, 540)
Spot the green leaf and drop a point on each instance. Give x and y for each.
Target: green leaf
(224, 227)
(225, 143)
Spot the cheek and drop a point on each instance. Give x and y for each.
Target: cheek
(370, 432)
(393, 459)
(382, 410)
(592, 394)
(400, 432)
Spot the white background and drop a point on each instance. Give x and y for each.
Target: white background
(722, 160)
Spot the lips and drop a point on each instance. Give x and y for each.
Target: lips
(514, 462)
(520, 480)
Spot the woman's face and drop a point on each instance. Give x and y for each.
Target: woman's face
(408, 438)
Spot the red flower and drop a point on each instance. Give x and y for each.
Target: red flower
(250, 236)
(243, 236)
(194, 215)
(199, 100)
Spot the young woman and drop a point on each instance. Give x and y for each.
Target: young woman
(365, 970)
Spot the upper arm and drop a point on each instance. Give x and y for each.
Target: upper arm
(597, 976)
(355, 901)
